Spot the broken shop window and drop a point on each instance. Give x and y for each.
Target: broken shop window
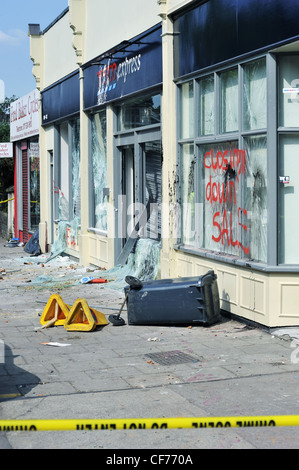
(255, 95)
(75, 156)
(228, 210)
(229, 102)
(67, 185)
(99, 170)
(34, 191)
(206, 121)
(255, 196)
(220, 170)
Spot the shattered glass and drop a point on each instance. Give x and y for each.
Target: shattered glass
(219, 196)
(206, 106)
(60, 243)
(99, 169)
(76, 199)
(255, 197)
(63, 206)
(69, 212)
(34, 191)
(69, 200)
(229, 101)
(45, 282)
(187, 110)
(224, 185)
(142, 263)
(255, 95)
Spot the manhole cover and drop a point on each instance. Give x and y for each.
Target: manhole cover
(171, 357)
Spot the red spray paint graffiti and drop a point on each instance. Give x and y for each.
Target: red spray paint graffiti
(228, 159)
(231, 162)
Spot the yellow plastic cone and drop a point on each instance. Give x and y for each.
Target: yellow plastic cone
(55, 312)
(83, 318)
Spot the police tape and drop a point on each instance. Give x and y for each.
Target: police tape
(12, 199)
(148, 423)
(7, 200)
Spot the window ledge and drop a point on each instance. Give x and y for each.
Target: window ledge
(234, 260)
(69, 224)
(97, 231)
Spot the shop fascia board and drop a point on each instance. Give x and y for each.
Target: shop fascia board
(121, 47)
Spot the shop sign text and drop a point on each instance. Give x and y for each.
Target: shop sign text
(110, 74)
(6, 150)
(24, 117)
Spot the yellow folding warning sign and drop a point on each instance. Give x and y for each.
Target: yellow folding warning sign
(83, 318)
(55, 312)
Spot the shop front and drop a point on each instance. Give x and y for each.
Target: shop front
(237, 141)
(24, 134)
(61, 137)
(100, 133)
(122, 101)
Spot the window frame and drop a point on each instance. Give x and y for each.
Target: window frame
(239, 135)
(63, 132)
(282, 131)
(92, 216)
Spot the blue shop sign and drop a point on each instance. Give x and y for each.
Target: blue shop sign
(219, 30)
(61, 100)
(131, 66)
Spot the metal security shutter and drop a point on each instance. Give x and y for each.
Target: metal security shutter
(153, 191)
(25, 190)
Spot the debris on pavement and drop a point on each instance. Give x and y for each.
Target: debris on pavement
(32, 246)
(92, 280)
(13, 242)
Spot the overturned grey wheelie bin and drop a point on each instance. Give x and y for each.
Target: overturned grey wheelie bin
(187, 300)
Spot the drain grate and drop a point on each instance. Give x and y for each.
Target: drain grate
(171, 357)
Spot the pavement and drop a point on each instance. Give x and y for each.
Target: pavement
(227, 369)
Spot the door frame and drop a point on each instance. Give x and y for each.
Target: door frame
(133, 138)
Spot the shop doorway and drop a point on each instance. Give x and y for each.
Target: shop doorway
(288, 197)
(139, 210)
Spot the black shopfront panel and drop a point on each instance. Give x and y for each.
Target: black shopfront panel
(218, 30)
